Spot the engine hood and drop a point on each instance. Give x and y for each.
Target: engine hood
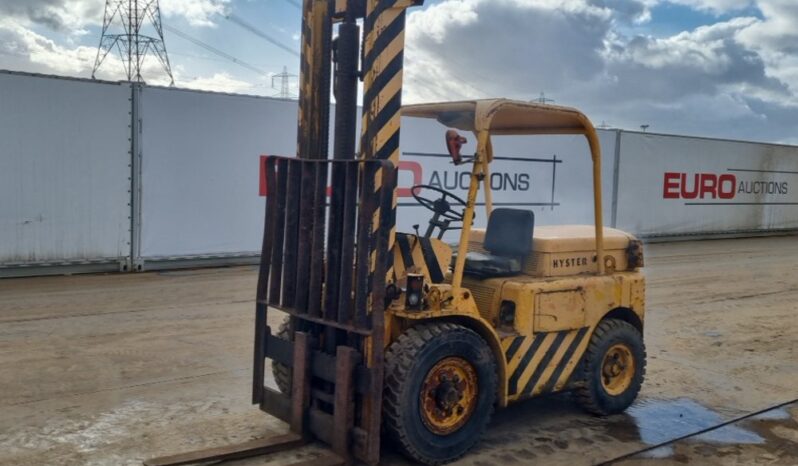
(565, 238)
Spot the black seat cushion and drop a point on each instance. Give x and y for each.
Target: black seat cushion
(508, 239)
(509, 232)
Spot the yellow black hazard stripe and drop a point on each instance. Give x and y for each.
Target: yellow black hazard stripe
(383, 63)
(544, 362)
(428, 261)
(403, 240)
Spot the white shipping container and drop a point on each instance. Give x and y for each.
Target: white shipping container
(673, 185)
(64, 170)
(79, 159)
(200, 169)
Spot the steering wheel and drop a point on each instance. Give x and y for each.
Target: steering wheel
(442, 206)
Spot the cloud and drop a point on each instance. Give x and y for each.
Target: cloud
(23, 48)
(75, 15)
(41, 53)
(716, 6)
(27, 50)
(705, 61)
(58, 15)
(220, 82)
(196, 12)
(636, 11)
(730, 79)
(33, 52)
(776, 39)
(497, 44)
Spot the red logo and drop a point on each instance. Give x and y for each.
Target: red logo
(699, 186)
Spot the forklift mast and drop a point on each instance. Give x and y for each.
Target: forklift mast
(326, 266)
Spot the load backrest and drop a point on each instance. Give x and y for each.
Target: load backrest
(328, 273)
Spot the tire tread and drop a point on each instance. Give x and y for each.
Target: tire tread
(399, 361)
(586, 395)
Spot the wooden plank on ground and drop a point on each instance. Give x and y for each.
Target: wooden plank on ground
(230, 452)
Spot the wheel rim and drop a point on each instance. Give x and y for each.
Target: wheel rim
(448, 395)
(617, 369)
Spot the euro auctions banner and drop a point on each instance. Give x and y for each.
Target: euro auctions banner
(671, 185)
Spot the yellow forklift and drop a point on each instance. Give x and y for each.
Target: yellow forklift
(525, 310)
(399, 334)
(520, 311)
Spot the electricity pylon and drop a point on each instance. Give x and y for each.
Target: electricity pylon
(133, 46)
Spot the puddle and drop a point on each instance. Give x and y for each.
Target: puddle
(780, 414)
(658, 453)
(730, 434)
(658, 421)
(771, 436)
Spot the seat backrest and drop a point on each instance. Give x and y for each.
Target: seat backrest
(509, 232)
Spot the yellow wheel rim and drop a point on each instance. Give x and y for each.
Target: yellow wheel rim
(448, 395)
(617, 369)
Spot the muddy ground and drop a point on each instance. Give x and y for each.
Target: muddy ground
(113, 369)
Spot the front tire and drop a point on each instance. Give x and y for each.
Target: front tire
(613, 368)
(440, 390)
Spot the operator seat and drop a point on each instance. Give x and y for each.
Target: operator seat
(508, 240)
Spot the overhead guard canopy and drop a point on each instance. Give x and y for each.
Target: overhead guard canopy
(514, 117)
(504, 117)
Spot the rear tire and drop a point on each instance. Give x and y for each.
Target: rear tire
(440, 390)
(612, 369)
(281, 372)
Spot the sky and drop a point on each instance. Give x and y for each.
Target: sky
(716, 68)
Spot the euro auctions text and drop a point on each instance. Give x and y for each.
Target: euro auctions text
(678, 185)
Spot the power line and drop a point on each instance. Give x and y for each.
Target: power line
(217, 59)
(215, 51)
(235, 19)
(199, 57)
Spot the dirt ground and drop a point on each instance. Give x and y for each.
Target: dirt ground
(114, 369)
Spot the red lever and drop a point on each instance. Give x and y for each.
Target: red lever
(454, 142)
